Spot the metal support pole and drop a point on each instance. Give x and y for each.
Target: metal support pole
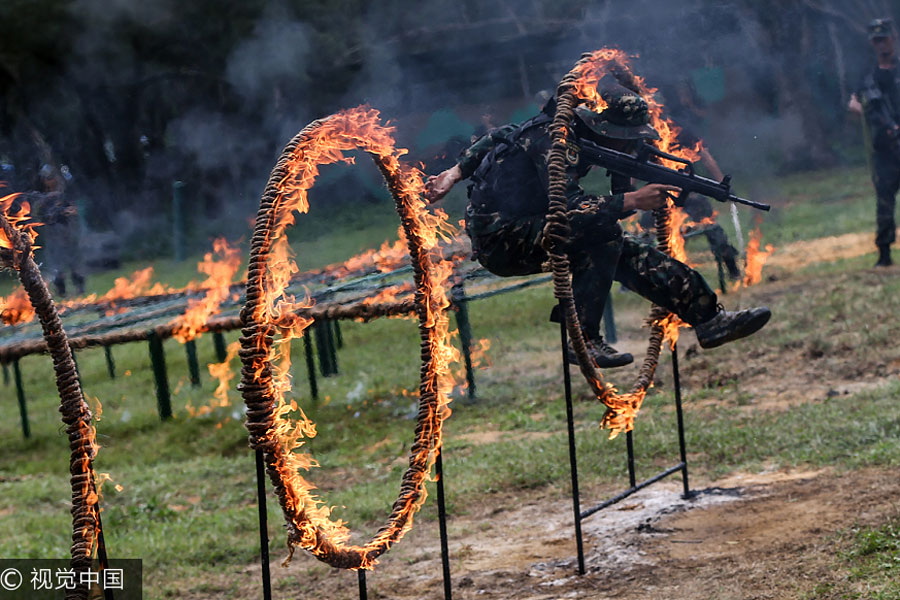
(5, 374)
(158, 362)
(332, 346)
(263, 524)
(681, 444)
(20, 393)
(338, 336)
(629, 443)
(461, 303)
(609, 321)
(110, 361)
(220, 345)
(361, 577)
(310, 366)
(322, 348)
(442, 524)
(190, 349)
(178, 220)
(573, 460)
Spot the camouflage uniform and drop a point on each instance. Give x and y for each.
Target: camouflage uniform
(508, 202)
(880, 100)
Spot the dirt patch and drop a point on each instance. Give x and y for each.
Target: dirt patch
(756, 536)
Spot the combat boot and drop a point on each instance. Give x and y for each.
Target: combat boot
(884, 257)
(603, 354)
(727, 326)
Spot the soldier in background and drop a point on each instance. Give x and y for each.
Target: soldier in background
(878, 100)
(60, 235)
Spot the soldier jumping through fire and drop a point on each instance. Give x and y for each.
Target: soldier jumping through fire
(508, 203)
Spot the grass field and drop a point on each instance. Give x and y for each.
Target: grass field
(187, 499)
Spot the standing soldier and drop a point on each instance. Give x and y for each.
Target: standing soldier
(60, 235)
(879, 101)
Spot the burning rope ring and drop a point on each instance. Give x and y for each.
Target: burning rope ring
(263, 384)
(75, 412)
(578, 83)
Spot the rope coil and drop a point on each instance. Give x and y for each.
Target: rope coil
(285, 191)
(621, 408)
(75, 412)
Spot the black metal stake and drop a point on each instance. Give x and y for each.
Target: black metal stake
(332, 346)
(5, 374)
(110, 362)
(102, 556)
(310, 366)
(221, 347)
(442, 524)
(461, 303)
(629, 442)
(321, 348)
(190, 349)
(158, 362)
(361, 577)
(338, 336)
(682, 448)
(573, 460)
(20, 393)
(263, 524)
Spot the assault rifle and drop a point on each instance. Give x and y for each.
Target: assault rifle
(640, 166)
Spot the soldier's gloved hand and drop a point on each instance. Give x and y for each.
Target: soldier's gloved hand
(653, 195)
(437, 186)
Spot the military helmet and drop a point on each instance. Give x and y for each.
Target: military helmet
(626, 116)
(881, 28)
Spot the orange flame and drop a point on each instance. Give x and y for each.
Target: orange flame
(220, 266)
(326, 143)
(20, 219)
(137, 285)
(390, 294)
(16, 308)
(756, 258)
(223, 373)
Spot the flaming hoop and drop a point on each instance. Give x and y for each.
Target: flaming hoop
(16, 238)
(579, 85)
(265, 379)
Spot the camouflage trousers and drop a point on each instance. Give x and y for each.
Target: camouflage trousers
(886, 177)
(598, 257)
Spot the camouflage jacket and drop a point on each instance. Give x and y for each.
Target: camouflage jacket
(508, 168)
(880, 97)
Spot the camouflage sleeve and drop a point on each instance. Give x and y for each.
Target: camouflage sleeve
(472, 156)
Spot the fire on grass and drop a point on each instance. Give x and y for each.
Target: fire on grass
(265, 373)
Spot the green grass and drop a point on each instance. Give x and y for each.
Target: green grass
(187, 502)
